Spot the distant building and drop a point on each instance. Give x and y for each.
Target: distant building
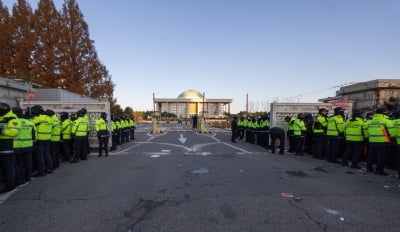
(61, 95)
(12, 91)
(369, 95)
(190, 103)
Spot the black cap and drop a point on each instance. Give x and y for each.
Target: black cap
(49, 112)
(380, 110)
(36, 110)
(323, 110)
(357, 113)
(18, 111)
(4, 108)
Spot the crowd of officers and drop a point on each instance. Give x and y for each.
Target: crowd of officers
(334, 138)
(34, 141)
(257, 131)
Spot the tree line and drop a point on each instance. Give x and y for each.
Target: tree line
(52, 48)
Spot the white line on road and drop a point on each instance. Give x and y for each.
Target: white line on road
(237, 148)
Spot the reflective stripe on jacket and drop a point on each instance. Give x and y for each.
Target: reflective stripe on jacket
(26, 135)
(379, 129)
(354, 130)
(10, 128)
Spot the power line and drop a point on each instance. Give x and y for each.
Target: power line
(320, 90)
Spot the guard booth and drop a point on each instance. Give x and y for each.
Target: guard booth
(94, 109)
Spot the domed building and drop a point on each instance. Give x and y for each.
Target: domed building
(190, 103)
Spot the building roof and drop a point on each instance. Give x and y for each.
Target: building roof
(190, 94)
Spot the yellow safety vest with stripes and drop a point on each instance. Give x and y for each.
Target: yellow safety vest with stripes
(43, 127)
(26, 135)
(354, 130)
(80, 127)
(10, 128)
(379, 129)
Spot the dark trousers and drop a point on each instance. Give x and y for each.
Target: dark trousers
(43, 157)
(114, 139)
(260, 138)
(319, 145)
(333, 148)
(252, 136)
(234, 135)
(66, 146)
(55, 153)
(118, 137)
(241, 133)
(264, 137)
(80, 147)
(8, 165)
(292, 141)
(103, 145)
(19, 169)
(127, 133)
(124, 136)
(377, 151)
(353, 150)
(299, 144)
(247, 132)
(23, 165)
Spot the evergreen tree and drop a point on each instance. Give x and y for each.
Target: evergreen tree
(81, 63)
(53, 49)
(23, 41)
(47, 56)
(5, 41)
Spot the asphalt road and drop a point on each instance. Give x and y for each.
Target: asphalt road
(182, 181)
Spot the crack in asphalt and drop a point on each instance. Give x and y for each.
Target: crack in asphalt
(319, 224)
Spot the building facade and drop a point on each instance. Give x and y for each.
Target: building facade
(369, 95)
(192, 102)
(12, 91)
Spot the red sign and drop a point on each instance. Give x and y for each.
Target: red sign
(341, 103)
(31, 94)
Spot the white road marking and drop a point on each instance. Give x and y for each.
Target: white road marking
(237, 148)
(182, 139)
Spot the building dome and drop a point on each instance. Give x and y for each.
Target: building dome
(190, 94)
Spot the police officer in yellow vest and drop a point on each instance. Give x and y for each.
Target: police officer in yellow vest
(42, 154)
(354, 134)
(335, 133)
(299, 131)
(23, 146)
(114, 133)
(55, 140)
(86, 151)
(66, 139)
(9, 129)
(103, 133)
(119, 130)
(378, 131)
(290, 133)
(319, 133)
(396, 136)
(79, 131)
(132, 124)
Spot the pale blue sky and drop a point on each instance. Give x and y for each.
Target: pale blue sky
(268, 49)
